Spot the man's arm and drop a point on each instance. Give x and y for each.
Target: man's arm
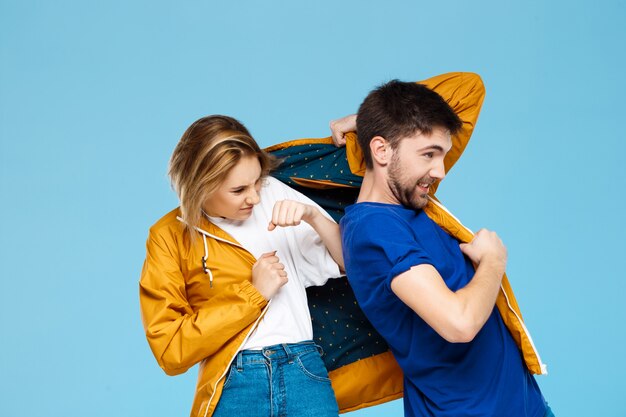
(456, 316)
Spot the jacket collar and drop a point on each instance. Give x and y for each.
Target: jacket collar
(209, 229)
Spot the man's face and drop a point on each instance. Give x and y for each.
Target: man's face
(416, 164)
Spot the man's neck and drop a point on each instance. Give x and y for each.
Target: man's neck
(375, 189)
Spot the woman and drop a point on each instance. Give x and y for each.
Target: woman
(223, 283)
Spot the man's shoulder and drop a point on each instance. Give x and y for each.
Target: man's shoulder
(373, 224)
(369, 214)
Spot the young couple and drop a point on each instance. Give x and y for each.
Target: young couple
(223, 283)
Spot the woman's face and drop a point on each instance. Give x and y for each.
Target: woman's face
(239, 192)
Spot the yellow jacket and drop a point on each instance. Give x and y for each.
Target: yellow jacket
(187, 321)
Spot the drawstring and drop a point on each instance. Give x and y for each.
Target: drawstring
(204, 259)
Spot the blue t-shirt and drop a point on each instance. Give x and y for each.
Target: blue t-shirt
(485, 377)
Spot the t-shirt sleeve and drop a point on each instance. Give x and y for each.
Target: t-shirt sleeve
(380, 247)
(317, 265)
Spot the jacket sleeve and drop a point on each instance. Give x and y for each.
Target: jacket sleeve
(178, 335)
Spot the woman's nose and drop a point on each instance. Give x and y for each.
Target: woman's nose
(253, 197)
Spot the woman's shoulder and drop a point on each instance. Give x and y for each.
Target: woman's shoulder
(273, 183)
(281, 191)
(168, 222)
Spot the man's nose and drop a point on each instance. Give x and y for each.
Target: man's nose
(438, 171)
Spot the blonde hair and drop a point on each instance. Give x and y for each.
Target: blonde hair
(204, 156)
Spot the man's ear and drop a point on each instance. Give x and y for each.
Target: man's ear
(381, 151)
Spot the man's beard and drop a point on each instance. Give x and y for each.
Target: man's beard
(407, 193)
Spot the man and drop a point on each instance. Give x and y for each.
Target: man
(431, 297)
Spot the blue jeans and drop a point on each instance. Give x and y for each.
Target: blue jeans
(280, 380)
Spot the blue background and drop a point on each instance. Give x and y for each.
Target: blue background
(95, 95)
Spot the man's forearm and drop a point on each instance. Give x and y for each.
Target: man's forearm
(478, 298)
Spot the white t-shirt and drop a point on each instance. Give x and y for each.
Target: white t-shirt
(306, 259)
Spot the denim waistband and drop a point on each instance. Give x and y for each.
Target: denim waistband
(276, 352)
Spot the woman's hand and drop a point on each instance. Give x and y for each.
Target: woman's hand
(291, 213)
(268, 275)
(339, 128)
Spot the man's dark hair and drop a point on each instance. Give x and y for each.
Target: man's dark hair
(399, 109)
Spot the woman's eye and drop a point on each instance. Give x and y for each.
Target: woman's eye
(429, 155)
(238, 191)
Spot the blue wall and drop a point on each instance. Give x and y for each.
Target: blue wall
(93, 98)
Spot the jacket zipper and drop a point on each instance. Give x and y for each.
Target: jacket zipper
(543, 366)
